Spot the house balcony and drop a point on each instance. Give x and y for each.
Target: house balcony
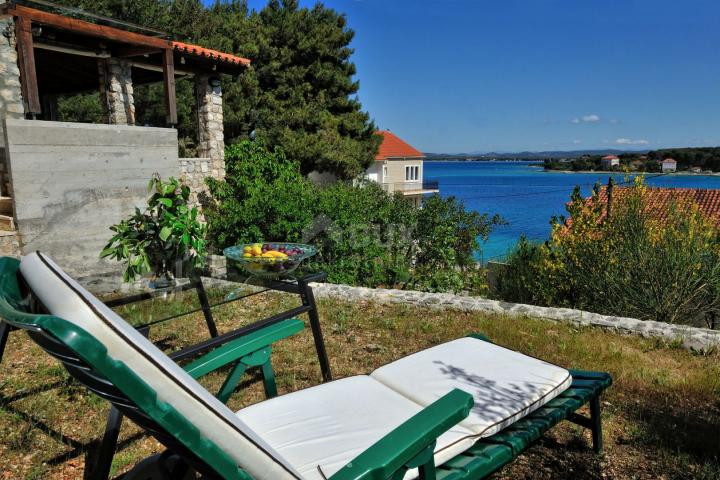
(412, 188)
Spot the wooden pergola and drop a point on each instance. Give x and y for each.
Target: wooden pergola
(58, 53)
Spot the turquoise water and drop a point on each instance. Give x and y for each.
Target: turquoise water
(526, 196)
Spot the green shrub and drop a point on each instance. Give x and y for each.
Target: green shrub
(526, 278)
(364, 236)
(446, 239)
(631, 264)
(263, 197)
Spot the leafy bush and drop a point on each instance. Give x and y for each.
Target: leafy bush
(446, 238)
(629, 264)
(263, 197)
(364, 236)
(167, 232)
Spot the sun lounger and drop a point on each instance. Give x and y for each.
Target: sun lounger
(461, 409)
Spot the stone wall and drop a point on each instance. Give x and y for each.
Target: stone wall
(11, 103)
(690, 337)
(193, 172)
(72, 181)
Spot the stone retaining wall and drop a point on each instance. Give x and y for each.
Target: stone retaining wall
(690, 337)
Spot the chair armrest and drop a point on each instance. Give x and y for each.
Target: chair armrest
(402, 445)
(245, 345)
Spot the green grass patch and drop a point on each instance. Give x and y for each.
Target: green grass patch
(661, 416)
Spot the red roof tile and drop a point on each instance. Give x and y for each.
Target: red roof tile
(208, 53)
(393, 147)
(658, 200)
(669, 160)
(611, 157)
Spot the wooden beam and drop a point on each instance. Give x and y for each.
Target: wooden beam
(168, 64)
(87, 28)
(136, 51)
(71, 50)
(156, 68)
(26, 64)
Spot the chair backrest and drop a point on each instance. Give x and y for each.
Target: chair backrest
(155, 384)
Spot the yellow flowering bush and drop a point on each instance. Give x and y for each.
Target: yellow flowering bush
(655, 261)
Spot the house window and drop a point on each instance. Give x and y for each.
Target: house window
(412, 173)
(384, 173)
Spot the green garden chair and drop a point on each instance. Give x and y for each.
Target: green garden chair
(459, 410)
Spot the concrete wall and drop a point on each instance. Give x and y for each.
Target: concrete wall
(72, 181)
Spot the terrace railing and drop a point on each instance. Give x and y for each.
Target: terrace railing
(408, 187)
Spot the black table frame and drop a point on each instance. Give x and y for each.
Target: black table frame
(100, 467)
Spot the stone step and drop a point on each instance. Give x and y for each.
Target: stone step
(7, 223)
(9, 244)
(6, 207)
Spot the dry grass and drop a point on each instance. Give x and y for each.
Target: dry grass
(661, 417)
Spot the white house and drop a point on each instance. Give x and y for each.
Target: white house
(610, 161)
(669, 165)
(399, 168)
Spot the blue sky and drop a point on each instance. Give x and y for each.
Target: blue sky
(509, 75)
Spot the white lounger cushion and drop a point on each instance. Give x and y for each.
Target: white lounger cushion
(328, 425)
(506, 385)
(65, 298)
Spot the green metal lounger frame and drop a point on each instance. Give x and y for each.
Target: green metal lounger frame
(410, 445)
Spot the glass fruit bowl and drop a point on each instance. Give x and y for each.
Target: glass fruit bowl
(270, 259)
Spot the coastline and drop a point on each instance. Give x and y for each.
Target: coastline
(679, 174)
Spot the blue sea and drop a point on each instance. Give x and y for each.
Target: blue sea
(526, 196)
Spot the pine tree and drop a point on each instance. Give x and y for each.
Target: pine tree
(306, 97)
(299, 93)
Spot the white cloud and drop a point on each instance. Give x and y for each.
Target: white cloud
(627, 141)
(614, 121)
(577, 142)
(592, 118)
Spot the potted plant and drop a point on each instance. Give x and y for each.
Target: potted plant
(166, 236)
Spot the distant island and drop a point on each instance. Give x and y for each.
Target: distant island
(694, 160)
(540, 156)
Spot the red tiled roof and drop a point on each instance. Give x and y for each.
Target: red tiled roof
(611, 157)
(658, 200)
(393, 147)
(208, 53)
(669, 160)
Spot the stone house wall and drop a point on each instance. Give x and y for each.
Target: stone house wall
(11, 102)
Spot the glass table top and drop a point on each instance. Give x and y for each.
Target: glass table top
(143, 306)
